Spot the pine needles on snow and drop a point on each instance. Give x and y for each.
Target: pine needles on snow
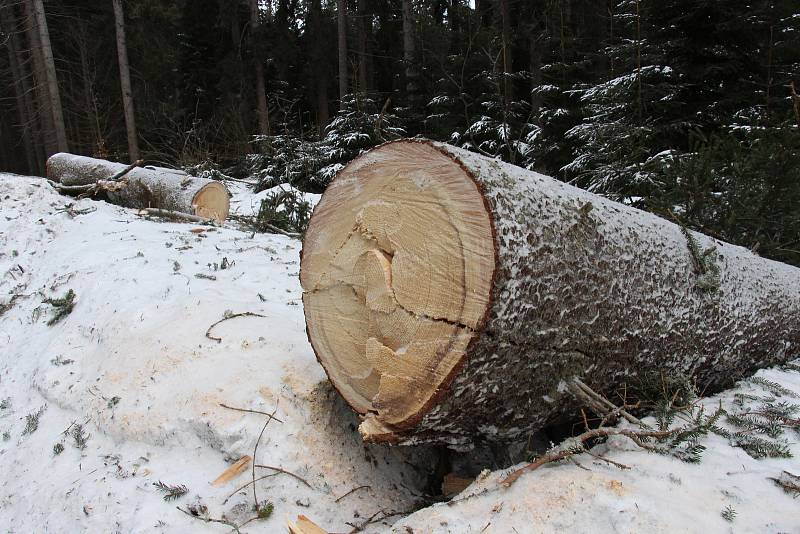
(789, 482)
(61, 306)
(171, 492)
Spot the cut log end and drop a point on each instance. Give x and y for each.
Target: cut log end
(397, 270)
(212, 201)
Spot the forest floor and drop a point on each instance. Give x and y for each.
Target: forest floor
(126, 391)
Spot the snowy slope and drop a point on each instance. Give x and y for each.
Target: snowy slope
(137, 335)
(132, 363)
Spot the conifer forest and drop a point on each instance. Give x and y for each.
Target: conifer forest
(686, 108)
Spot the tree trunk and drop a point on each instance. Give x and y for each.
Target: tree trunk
(21, 89)
(320, 70)
(341, 19)
(362, 47)
(50, 76)
(505, 23)
(450, 297)
(147, 187)
(261, 89)
(125, 82)
(408, 49)
(44, 115)
(535, 64)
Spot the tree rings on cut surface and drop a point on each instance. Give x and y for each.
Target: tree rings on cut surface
(397, 271)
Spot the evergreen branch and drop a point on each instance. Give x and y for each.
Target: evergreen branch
(789, 482)
(61, 306)
(773, 387)
(171, 492)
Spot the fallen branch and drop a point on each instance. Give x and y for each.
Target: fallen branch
(89, 190)
(270, 227)
(637, 436)
(255, 451)
(126, 170)
(374, 519)
(229, 316)
(250, 411)
(285, 472)
(351, 492)
(597, 402)
(231, 524)
(240, 488)
(167, 214)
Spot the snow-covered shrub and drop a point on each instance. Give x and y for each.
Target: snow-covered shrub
(283, 209)
(309, 164)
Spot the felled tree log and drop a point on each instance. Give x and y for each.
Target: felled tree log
(451, 297)
(144, 187)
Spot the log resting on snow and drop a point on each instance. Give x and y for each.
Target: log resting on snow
(144, 187)
(451, 297)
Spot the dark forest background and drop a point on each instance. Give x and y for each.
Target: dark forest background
(687, 108)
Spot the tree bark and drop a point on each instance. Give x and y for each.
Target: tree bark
(408, 49)
(261, 89)
(25, 112)
(125, 82)
(144, 187)
(450, 297)
(50, 76)
(362, 47)
(505, 23)
(43, 113)
(320, 69)
(341, 20)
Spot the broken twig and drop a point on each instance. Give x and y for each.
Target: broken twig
(229, 316)
(351, 492)
(285, 472)
(167, 214)
(271, 416)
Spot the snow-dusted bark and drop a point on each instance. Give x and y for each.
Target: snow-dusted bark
(146, 187)
(582, 286)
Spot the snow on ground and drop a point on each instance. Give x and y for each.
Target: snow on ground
(132, 363)
(657, 494)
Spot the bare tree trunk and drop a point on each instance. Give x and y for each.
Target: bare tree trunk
(43, 114)
(450, 297)
(8, 25)
(535, 59)
(362, 47)
(341, 20)
(261, 90)
(320, 68)
(88, 77)
(408, 48)
(50, 75)
(125, 82)
(505, 22)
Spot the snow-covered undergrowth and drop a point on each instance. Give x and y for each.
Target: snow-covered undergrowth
(245, 203)
(133, 365)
